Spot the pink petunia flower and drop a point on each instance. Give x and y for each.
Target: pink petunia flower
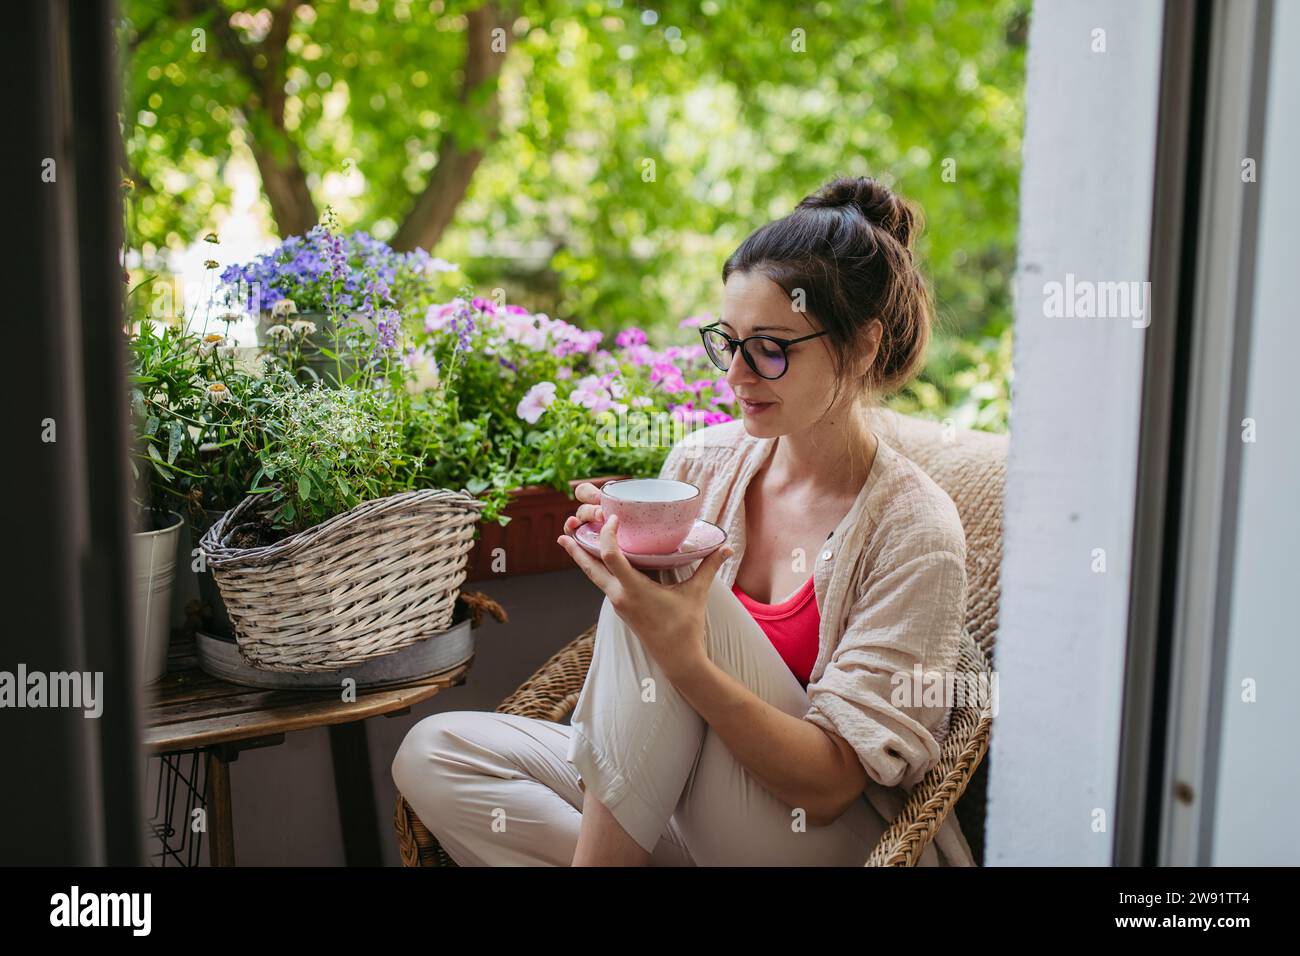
(630, 337)
(535, 402)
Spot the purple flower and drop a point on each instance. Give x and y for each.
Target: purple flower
(629, 337)
(462, 323)
(640, 354)
(668, 376)
(688, 413)
(335, 256)
(387, 325)
(308, 269)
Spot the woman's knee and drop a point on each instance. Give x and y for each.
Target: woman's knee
(428, 750)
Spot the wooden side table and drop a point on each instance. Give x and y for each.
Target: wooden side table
(192, 710)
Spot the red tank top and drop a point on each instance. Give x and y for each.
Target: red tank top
(792, 626)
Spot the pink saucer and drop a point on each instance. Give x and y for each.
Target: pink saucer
(704, 538)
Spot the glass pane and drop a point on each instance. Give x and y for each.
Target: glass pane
(768, 357)
(715, 343)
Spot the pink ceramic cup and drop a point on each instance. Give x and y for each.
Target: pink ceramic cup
(654, 514)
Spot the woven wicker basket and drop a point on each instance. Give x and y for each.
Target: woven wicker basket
(361, 585)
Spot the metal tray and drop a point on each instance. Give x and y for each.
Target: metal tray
(219, 656)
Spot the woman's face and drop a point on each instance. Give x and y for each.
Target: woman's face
(754, 304)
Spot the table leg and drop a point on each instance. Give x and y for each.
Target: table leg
(358, 816)
(221, 828)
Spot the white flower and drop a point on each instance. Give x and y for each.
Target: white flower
(218, 393)
(278, 332)
(303, 327)
(284, 307)
(229, 316)
(211, 341)
(440, 265)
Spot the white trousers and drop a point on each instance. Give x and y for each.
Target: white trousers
(504, 790)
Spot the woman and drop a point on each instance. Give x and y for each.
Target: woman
(748, 712)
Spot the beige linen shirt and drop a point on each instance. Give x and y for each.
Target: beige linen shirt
(890, 585)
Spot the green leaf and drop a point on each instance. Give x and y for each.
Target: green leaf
(304, 487)
(475, 485)
(174, 441)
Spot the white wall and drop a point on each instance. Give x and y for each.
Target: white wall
(1086, 197)
(1259, 774)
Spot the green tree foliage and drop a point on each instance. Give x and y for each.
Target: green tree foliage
(604, 165)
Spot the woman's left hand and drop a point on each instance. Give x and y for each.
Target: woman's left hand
(667, 618)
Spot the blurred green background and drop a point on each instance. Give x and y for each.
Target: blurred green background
(597, 161)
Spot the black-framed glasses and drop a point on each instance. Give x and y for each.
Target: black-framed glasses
(765, 354)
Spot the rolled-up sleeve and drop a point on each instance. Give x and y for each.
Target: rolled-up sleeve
(909, 616)
(684, 463)
(673, 464)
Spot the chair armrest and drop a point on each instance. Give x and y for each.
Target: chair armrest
(930, 803)
(552, 692)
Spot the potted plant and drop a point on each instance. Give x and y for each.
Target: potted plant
(167, 384)
(524, 407)
(319, 298)
(199, 427)
(334, 558)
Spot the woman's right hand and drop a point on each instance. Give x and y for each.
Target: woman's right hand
(589, 510)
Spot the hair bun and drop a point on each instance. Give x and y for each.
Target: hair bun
(873, 199)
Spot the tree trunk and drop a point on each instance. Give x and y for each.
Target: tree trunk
(284, 183)
(436, 205)
(286, 189)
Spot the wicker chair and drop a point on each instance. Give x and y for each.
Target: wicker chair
(971, 467)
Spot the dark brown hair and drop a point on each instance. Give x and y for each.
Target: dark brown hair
(848, 246)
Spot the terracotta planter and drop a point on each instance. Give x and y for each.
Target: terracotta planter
(537, 515)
